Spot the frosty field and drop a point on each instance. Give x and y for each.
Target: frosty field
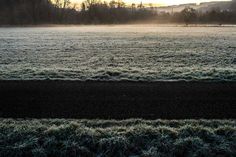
(111, 138)
(129, 52)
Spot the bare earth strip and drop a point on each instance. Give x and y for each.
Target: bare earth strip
(96, 99)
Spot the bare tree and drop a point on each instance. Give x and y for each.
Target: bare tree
(188, 15)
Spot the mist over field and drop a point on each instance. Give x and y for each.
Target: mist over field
(125, 52)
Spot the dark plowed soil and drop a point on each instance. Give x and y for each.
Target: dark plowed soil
(117, 100)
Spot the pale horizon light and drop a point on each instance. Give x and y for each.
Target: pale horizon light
(163, 2)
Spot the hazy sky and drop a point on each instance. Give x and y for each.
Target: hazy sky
(165, 2)
(172, 2)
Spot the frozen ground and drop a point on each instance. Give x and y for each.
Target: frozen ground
(111, 138)
(131, 52)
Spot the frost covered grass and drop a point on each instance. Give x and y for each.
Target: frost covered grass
(131, 52)
(112, 138)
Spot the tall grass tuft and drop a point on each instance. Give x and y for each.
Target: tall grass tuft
(111, 138)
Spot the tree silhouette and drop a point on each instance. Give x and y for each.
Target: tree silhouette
(233, 5)
(23, 12)
(189, 15)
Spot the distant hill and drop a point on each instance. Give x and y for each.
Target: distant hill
(203, 7)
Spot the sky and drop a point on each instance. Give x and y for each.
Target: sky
(166, 2)
(172, 2)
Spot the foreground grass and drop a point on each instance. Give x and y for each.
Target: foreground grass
(111, 138)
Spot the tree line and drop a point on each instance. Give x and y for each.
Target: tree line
(191, 16)
(31, 12)
(36, 12)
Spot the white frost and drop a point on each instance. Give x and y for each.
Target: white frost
(129, 52)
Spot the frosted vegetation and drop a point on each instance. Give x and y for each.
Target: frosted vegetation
(131, 52)
(110, 138)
